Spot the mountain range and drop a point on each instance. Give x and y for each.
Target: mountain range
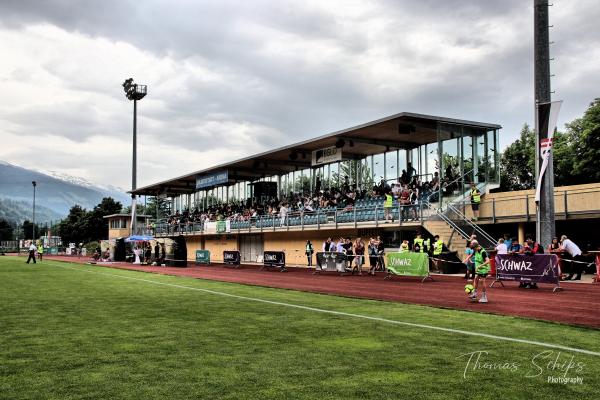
(55, 193)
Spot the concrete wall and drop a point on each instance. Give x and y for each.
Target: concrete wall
(515, 205)
(216, 245)
(192, 244)
(294, 243)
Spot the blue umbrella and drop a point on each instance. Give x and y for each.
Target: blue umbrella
(139, 238)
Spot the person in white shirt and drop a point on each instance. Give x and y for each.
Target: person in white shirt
(283, 211)
(32, 250)
(501, 247)
(574, 251)
(340, 246)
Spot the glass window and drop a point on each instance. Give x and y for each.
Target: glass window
(391, 166)
(481, 158)
(378, 171)
(492, 159)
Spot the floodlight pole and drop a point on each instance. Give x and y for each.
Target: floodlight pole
(545, 221)
(134, 92)
(134, 157)
(34, 183)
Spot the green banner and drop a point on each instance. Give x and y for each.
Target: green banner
(221, 227)
(408, 263)
(202, 257)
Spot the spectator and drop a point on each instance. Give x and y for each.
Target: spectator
(475, 201)
(515, 247)
(470, 259)
(554, 248)
(411, 172)
(501, 248)
(309, 250)
(359, 254)
(568, 246)
(387, 206)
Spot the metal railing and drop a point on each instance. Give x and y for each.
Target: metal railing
(371, 213)
(466, 225)
(568, 203)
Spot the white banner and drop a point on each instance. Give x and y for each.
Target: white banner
(217, 227)
(547, 117)
(133, 210)
(326, 156)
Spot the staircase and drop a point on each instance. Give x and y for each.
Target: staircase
(453, 226)
(450, 236)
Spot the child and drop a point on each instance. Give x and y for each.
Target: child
(482, 268)
(470, 260)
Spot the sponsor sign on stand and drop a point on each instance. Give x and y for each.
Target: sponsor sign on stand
(535, 268)
(326, 156)
(274, 259)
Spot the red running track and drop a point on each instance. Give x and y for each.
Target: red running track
(577, 304)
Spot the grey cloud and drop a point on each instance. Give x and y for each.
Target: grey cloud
(285, 94)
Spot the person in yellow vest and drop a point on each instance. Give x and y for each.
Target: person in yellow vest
(438, 248)
(404, 246)
(40, 250)
(482, 269)
(475, 201)
(387, 206)
(418, 242)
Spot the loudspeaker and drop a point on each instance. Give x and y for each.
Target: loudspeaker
(406, 129)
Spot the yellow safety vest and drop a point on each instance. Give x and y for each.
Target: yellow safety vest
(476, 196)
(388, 201)
(427, 243)
(439, 246)
(420, 243)
(41, 249)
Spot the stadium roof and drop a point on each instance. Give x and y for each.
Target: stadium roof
(400, 131)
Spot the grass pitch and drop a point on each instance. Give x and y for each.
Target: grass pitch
(85, 332)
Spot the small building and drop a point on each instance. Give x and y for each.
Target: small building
(119, 225)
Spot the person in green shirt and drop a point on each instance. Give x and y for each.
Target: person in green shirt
(387, 206)
(40, 250)
(482, 269)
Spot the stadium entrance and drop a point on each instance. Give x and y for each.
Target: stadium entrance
(251, 247)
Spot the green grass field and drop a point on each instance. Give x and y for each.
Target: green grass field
(84, 332)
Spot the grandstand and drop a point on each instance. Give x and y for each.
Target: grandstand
(332, 185)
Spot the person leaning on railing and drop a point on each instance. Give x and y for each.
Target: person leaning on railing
(554, 248)
(568, 246)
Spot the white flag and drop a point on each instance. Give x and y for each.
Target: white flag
(547, 117)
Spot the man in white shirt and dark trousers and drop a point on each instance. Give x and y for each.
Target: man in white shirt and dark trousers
(32, 250)
(568, 246)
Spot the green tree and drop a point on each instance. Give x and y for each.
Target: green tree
(157, 206)
(72, 228)
(583, 136)
(6, 230)
(575, 154)
(518, 162)
(96, 226)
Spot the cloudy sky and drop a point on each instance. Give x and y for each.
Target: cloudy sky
(227, 79)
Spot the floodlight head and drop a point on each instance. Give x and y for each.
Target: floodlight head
(133, 91)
